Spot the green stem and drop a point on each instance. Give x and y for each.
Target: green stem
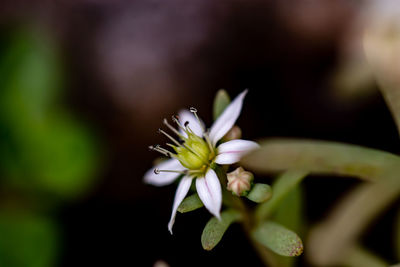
(229, 199)
(361, 257)
(285, 184)
(247, 221)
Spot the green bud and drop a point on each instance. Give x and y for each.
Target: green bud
(260, 193)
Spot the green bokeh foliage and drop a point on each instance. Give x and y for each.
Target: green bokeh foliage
(42, 147)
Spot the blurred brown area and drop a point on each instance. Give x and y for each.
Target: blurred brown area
(129, 64)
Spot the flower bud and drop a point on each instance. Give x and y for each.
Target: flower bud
(239, 181)
(234, 133)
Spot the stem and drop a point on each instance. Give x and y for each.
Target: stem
(266, 256)
(231, 200)
(361, 257)
(283, 186)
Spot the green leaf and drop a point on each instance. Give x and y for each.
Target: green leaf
(190, 203)
(67, 160)
(27, 241)
(290, 212)
(283, 186)
(43, 148)
(260, 193)
(215, 229)
(320, 157)
(352, 215)
(278, 238)
(221, 101)
(29, 76)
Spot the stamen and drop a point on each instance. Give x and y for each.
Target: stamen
(173, 129)
(188, 128)
(190, 149)
(158, 171)
(170, 137)
(184, 172)
(194, 111)
(161, 150)
(205, 134)
(176, 120)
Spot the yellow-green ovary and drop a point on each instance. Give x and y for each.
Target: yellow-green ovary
(194, 154)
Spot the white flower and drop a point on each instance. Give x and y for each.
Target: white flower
(195, 156)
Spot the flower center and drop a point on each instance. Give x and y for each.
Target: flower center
(195, 152)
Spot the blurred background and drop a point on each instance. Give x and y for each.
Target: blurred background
(84, 86)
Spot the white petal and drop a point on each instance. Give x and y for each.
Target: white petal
(194, 125)
(181, 192)
(227, 119)
(231, 152)
(209, 190)
(163, 178)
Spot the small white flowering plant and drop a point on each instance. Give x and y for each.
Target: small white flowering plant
(217, 161)
(209, 158)
(195, 155)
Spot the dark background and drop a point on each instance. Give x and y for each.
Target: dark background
(129, 64)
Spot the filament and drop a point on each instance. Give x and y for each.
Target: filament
(170, 137)
(161, 150)
(176, 120)
(173, 129)
(158, 171)
(205, 134)
(194, 111)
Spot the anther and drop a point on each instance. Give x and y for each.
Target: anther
(156, 171)
(175, 118)
(194, 111)
(186, 124)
